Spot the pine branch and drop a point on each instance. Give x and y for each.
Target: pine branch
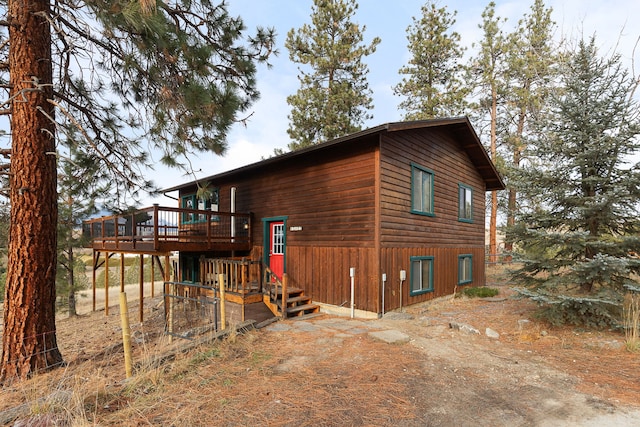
(111, 165)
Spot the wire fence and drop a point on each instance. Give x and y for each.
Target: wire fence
(98, 337)
(184, 310)
(191, 309)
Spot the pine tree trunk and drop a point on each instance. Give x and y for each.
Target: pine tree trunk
(29, 340)
(71, 299)
(493, 220)
(517, 156)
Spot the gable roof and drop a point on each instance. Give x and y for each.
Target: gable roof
(459, 126)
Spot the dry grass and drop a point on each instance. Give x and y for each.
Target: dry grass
(319, 377)
(631, 319)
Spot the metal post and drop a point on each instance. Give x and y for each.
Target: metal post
(384, 279)
(352, 273)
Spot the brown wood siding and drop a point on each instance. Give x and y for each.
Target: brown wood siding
(332, 198)
(354, 206)
(323, 272)
(445, 273)
(404, 235)
(451, 165)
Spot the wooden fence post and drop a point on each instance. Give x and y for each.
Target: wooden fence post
(126, 333)
(172, 297)
(223, 314)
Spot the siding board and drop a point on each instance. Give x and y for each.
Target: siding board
(353, 203)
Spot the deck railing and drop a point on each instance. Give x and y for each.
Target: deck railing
(158, 224)
(242, 276)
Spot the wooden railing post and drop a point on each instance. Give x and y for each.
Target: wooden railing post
(244, 267)
(285, 279)
(156, 230)
(115, 231)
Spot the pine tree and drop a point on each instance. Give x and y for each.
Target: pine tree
(487, 74)
(531, 60)
(80, 187)
(434, 86)
(575, 239)
(334, 97)
(126, 75)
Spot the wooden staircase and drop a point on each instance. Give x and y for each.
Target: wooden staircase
(296, 303)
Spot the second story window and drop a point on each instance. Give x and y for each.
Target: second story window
(465, 203)
(421, 190)
(208, 202)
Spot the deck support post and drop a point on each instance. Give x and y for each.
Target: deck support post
(141, 305)
(106, 283)
(153, 275)
(93, 278)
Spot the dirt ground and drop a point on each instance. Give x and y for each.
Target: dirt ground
(406, 369)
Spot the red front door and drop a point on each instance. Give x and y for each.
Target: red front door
(276, 249)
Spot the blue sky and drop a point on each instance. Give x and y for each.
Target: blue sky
(611, 20)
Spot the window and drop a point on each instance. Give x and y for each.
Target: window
(191, 201)
(421, 190)
(421, 275)
(465, 268)
(190, 269)
(277, 240)
(188, 202)
(465, 203)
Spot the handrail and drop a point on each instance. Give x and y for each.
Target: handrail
(271, 284)
(158, 224)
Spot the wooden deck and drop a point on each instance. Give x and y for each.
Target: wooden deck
(163, 229)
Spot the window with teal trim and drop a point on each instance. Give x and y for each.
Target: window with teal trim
(421, 275)
(465, 203)
(421, 190)
(190, 269)
(191, 201)
(465, 269)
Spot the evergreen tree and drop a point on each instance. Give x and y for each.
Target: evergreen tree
(487, 74)
(4, 242)
(334, 97)
(79, 189)
(575, 240)
(531, 60)
(126, 75)
(434, 86)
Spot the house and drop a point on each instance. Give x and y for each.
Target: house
(397, 209)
